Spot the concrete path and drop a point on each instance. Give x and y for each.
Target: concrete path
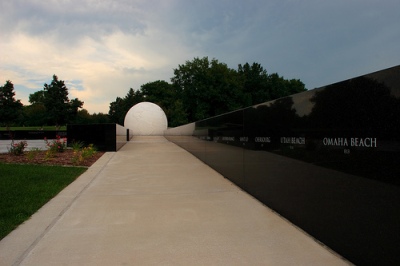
(153, 203)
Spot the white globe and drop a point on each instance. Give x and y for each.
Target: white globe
(146, 119)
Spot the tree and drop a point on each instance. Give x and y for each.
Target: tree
(73, 107)
(166, 96)
(34, 115)
(259, 86)
(100, 118)
(116, 111)
(281, 87)
(177, 115)
(60, 109)
(159, 92)
(83, 117)
(207, 88)
(37, 97)
(254, 80)
(130, 99)
(121, 106)
(10, 108)
(203, 88)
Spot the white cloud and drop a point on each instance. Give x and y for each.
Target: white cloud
(101, 48)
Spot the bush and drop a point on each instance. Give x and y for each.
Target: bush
(18, 148)
(77, 145)
(57, 145)
(54, 146)
(81, 155)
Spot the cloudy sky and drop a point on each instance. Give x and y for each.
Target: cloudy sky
(101, 48)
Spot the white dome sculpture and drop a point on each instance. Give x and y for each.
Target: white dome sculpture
(146, 119)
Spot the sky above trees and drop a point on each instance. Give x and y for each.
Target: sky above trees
(101, 48)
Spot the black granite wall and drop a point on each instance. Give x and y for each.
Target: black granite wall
(327, 159)
(105, 137)
(31, 134)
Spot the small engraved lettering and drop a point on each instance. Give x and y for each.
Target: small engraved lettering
(293, 140)
(353, 142)
(335, 142)
(364, 142)
(262, 139)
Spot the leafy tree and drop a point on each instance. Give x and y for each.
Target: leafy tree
(259, 86)
(10, 108)
(254, 80)
(59, 108)
(203, 88)
(207, 88)
(73, 107)
(34, 115)
(130, 99)
(158, 92)
(177, 115)
(37, 97)
(100, 118)
(166, 96)
(121, 106)
(116, 111)
(83, 117)
(281, 87)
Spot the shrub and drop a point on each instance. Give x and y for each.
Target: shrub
(57, 145)
(18, 148)
(81, 155)
(77, 145)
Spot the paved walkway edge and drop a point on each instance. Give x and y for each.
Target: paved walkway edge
(171, 209)
(23, 239)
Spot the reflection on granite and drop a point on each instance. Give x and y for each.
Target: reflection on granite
(325, 159)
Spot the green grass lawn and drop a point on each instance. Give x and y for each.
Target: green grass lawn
(26, 188)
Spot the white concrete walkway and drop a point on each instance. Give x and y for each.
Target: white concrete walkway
(153, 203)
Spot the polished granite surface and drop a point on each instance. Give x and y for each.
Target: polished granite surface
(326, 159)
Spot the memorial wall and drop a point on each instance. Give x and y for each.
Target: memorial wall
(105, 137)
(327, 159)
(31, 134)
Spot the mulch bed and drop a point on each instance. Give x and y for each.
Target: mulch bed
(62, 158)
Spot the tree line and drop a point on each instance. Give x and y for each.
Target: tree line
(199, 89)
(203, 88)
(48, 107)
